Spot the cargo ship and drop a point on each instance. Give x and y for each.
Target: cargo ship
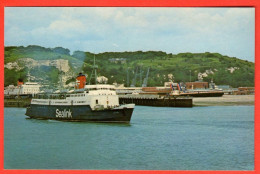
(177, 90)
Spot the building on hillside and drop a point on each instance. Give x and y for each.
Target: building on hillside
(117, 60)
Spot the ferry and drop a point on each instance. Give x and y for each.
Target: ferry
(92, 103)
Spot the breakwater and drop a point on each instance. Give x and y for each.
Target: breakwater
(203, 94)
(156, 100)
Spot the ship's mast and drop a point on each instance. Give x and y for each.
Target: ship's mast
(94, 71)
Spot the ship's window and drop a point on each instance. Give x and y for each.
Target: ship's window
(96, 101)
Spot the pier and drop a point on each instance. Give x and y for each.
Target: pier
(18, 102)
(156, 100)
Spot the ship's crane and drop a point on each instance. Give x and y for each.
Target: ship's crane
(127, 77)
(134, 79)
(146, 78)
(141, 73)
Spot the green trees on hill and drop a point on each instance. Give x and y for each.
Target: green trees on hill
(11, 76)
(37, 52)
(182, 66)
(61, 50)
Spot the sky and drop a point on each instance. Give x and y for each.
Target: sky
(228, 31)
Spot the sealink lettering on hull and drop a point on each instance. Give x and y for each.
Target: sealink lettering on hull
(63, 114)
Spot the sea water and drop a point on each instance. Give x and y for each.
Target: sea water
(157, 138)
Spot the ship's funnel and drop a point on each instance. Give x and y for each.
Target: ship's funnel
(20, 82)
(81, 80)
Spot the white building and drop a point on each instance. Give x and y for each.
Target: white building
(27, 88)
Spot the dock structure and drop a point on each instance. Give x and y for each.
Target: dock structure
(203, 94)
(156, 100)
(20, 102)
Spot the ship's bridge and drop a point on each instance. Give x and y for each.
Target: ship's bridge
(100, 87)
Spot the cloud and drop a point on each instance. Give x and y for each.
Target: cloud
(67, 26)
(229, 31)
(115, 45)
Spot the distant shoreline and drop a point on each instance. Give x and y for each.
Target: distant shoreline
(225, 100)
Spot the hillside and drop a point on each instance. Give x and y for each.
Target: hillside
(182, 67)
(117, 66)
(44, 64)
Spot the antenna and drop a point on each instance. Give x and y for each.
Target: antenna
(95, 68)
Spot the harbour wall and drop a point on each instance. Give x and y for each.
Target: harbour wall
(155, 100)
